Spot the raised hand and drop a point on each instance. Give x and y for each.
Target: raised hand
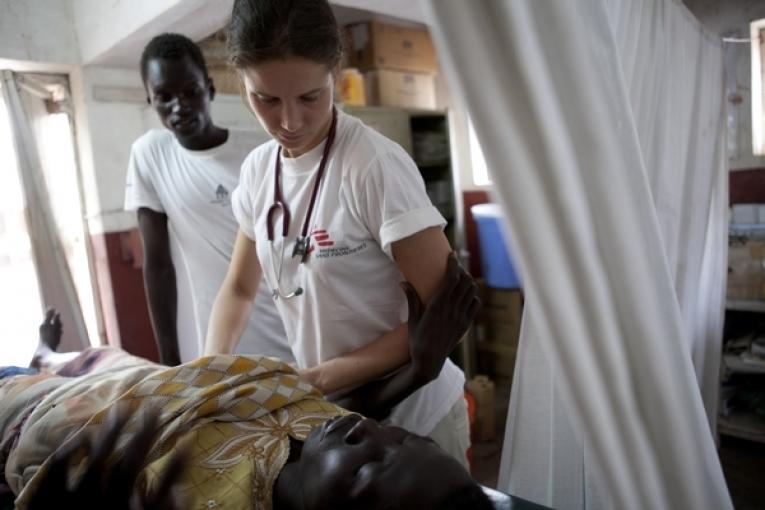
(51, 329)
(104, 484)
(436, 329)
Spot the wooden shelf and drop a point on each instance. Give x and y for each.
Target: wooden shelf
(742, 425)
(736, 365)
(432, 164)
(497, 348)
(741, 305)
(422, 112)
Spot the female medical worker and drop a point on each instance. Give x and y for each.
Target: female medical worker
(333, 215)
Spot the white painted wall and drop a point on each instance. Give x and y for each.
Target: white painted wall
(110, 126)
(100, 25)
(113, 33)
(402, 9)
(116, 115)
(740, 115)
(732, 18)
(38, 30)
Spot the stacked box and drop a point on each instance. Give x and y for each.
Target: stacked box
(375, 45)
(499, 327)
(399, 64)
(746, 269)
(482, 389)
(384, 87)
(225, 79)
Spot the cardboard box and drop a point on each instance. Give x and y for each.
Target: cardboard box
(375, 45)
(746, 286)
(503, 333)
(496, 360)
(502, 305)
(482, 389)
(400, 89)
(746, 269)
(225, 79)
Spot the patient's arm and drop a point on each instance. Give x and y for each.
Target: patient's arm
(434, 331)
(46, 359)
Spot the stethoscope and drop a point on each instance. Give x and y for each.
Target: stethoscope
(303, 242)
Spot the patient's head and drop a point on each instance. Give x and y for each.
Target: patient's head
(351, 462)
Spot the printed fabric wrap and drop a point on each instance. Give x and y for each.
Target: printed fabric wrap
(235, 414)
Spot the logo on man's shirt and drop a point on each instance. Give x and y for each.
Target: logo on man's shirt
(222, 196)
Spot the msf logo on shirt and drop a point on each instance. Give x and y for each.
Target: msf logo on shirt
(327, 248)
(222, 196)
(320, 238)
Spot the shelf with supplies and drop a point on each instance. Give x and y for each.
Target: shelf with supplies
(747, 426)
(740, 365)
(742, 384)
(432, 163)
(424, 135)
(745, 305)
(742, 378)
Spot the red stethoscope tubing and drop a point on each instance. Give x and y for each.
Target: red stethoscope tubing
(279, 203)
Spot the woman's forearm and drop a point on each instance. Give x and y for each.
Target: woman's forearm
(228, 319)
(233, 305)
(376, 359)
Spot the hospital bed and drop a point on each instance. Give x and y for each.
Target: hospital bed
(504, 501)
(500, 500)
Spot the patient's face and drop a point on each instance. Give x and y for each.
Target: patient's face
(355, 463)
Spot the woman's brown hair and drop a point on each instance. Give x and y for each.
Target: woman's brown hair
(264, 30)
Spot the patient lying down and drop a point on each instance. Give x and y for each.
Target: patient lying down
(231, 431)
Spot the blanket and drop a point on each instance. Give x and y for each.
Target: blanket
(235, 413)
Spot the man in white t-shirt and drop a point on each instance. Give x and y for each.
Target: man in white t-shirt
(179, 181)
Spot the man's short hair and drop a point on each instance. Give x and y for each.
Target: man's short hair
(171, 46)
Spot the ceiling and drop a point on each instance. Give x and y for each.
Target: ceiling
(727, 17)
(199, 20)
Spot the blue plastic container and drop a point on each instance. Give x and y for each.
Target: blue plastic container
(496, 262)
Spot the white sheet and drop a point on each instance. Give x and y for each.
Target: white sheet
(602, 126)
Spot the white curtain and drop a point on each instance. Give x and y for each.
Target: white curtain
(57, 287)
(602, 126)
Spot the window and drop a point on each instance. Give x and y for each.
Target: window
(758, 86)
(477, 161)
(20, 306)
(22, 268)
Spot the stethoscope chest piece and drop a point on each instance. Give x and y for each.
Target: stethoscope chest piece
(302, 244)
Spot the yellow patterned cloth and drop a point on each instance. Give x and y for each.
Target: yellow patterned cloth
(236, 413)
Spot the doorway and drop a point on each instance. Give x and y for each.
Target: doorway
(28, 258)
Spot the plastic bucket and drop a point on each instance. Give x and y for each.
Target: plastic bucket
(496, 262)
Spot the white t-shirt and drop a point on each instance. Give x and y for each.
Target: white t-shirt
(193, 189)
(371, 195)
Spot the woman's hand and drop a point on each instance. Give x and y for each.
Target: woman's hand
(104, 484)
(436, 329)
